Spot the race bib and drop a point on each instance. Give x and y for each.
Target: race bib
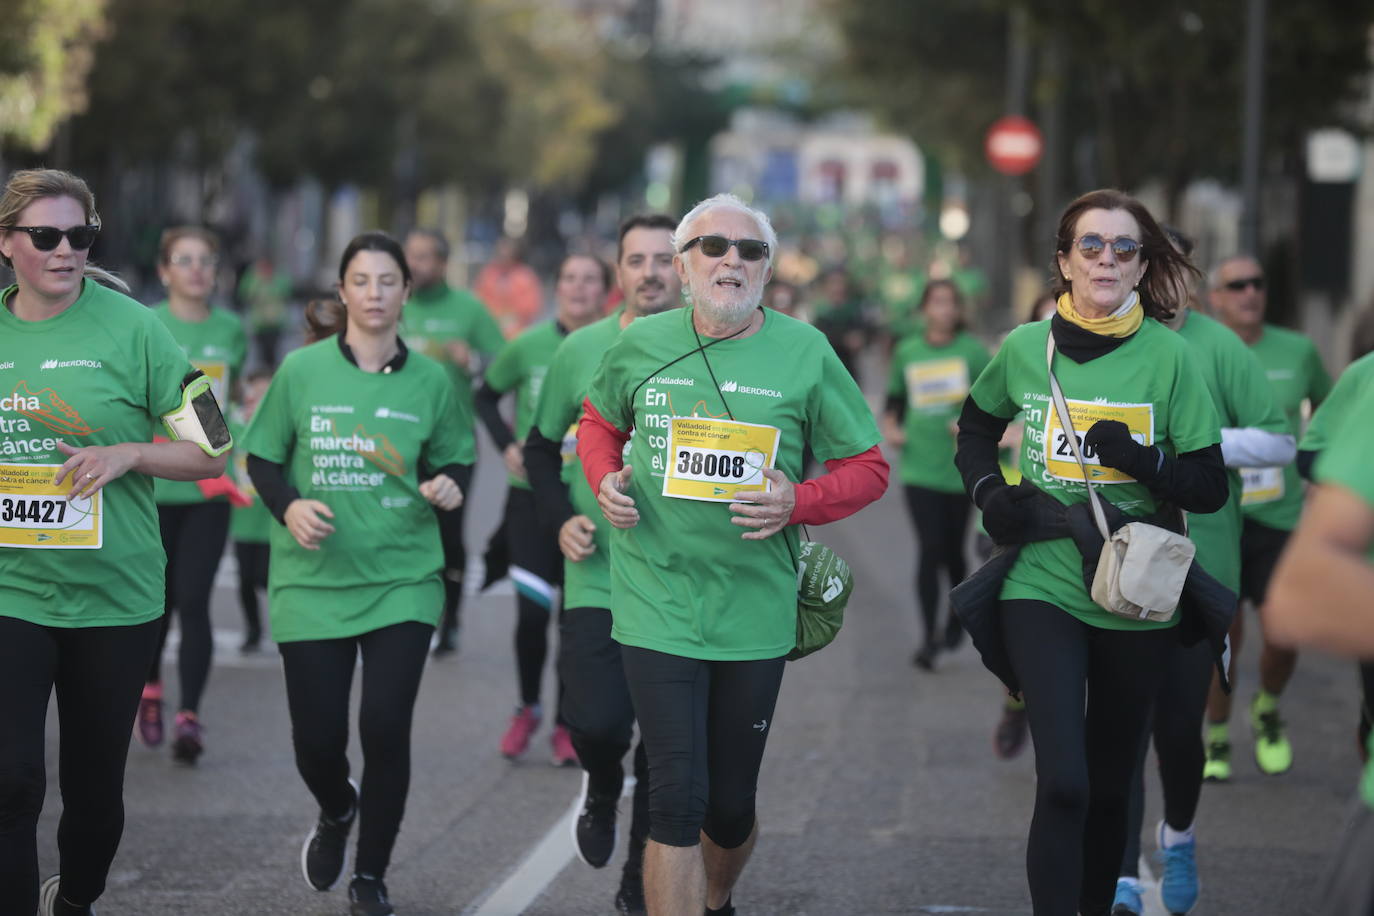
(568, 450)
(1260, 485)
(218, 373)
(35, 513)
(938, 383)
(713, 460)
(1059, 460)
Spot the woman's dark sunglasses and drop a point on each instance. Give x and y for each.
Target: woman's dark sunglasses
(1124, 248)
(715, 246)
(46, 238)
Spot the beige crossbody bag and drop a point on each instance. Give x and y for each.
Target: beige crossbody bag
(1142, 567)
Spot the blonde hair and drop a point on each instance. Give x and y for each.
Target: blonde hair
(28, 185)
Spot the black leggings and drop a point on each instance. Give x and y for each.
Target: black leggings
(455, 561)
(193, 536)
(98, 673)
(597, 706)
(319, 677)
(535, 564)
(704, 725)
(1177, 717)
(1083, 761)
(253, 557)
(941, 521)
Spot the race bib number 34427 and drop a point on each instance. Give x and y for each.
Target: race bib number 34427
(36, 513)
(713, 460)
(1059, 460)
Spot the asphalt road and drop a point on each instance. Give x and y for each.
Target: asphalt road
(880, 792)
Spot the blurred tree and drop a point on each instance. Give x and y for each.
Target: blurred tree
(45, 53)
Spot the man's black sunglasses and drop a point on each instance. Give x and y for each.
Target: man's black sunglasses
(46, 238)
(1238, 286)
(715, 246)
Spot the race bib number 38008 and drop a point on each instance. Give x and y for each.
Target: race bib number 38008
(36, 513)
(713, 460)
(1059, 459)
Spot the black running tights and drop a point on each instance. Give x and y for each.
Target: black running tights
(1083, 759)
(319, 677)
(97, 673)
(941, 521)
(253, 558)
(535, 566)
(193, 536)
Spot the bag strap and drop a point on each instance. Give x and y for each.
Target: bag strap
(1062, 409)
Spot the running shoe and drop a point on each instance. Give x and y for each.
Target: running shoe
(447, 642)
(1273, 752)
(252, 641)
(1010, 737)
(188, 743)
(367, 897)
(1178, 886)
(325, 851)
(727, 910)
(925, 658)
(1217, 766)
(48, 901)
(150, 715)
(594, 829)
(1128, 900)
(563, 753)
(523, 724)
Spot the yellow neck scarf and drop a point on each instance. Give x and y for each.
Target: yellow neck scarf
(1124, 322)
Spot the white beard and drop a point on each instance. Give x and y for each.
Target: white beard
(719, 307)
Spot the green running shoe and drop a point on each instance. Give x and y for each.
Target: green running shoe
(1217, 766)
(1273, 752)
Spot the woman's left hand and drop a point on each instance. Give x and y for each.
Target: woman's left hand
(441, 491)
(92, 467)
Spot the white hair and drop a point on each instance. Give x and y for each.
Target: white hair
(682, 235)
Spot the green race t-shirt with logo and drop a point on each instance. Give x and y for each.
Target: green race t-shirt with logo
(441, 314)
(1273, 496)
(1243, 399)
(1339, 404)
(99, 373)
(520, 366)
(353, 440)
(247, 524)
(216, 346)
(586, 583)
(934, 381)
(682, 580)
(1151, 383)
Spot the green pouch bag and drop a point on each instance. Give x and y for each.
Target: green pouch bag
(824, 584)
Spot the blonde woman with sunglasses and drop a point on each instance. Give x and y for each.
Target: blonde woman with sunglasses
(84, 373)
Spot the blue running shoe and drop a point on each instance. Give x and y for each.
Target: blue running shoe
(1178, 886)
(1127, 901)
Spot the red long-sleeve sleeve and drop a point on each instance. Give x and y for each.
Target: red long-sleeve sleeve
(848, 485)
(600, 445)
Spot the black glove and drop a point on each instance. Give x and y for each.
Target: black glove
(1008, 513)
(1111, 441)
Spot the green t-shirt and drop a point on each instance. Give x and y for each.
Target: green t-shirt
(682, 580)
(1273, 496)
(1243, 399)
(1151, 383)
(440, 314)
(247, 524)
(216, 346)
(934, 381)
(586, 583)
(1345, 461)
(97, 374)
(354, 440)
(520, 366)
(1339, 404)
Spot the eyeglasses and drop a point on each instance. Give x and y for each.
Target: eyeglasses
(715, 246)
(185, 260)
(1091, 246)
(1238, 285)
(46, 238)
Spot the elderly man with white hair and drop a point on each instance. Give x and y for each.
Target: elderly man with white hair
(721, 397)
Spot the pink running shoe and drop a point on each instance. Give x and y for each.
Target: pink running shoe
(149, 721)
(563, 753)
(523, 724)
(188, 744)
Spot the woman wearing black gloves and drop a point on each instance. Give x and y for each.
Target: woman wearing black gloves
(1149, 435)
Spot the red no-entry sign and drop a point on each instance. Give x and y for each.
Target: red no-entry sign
(1013, 145)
